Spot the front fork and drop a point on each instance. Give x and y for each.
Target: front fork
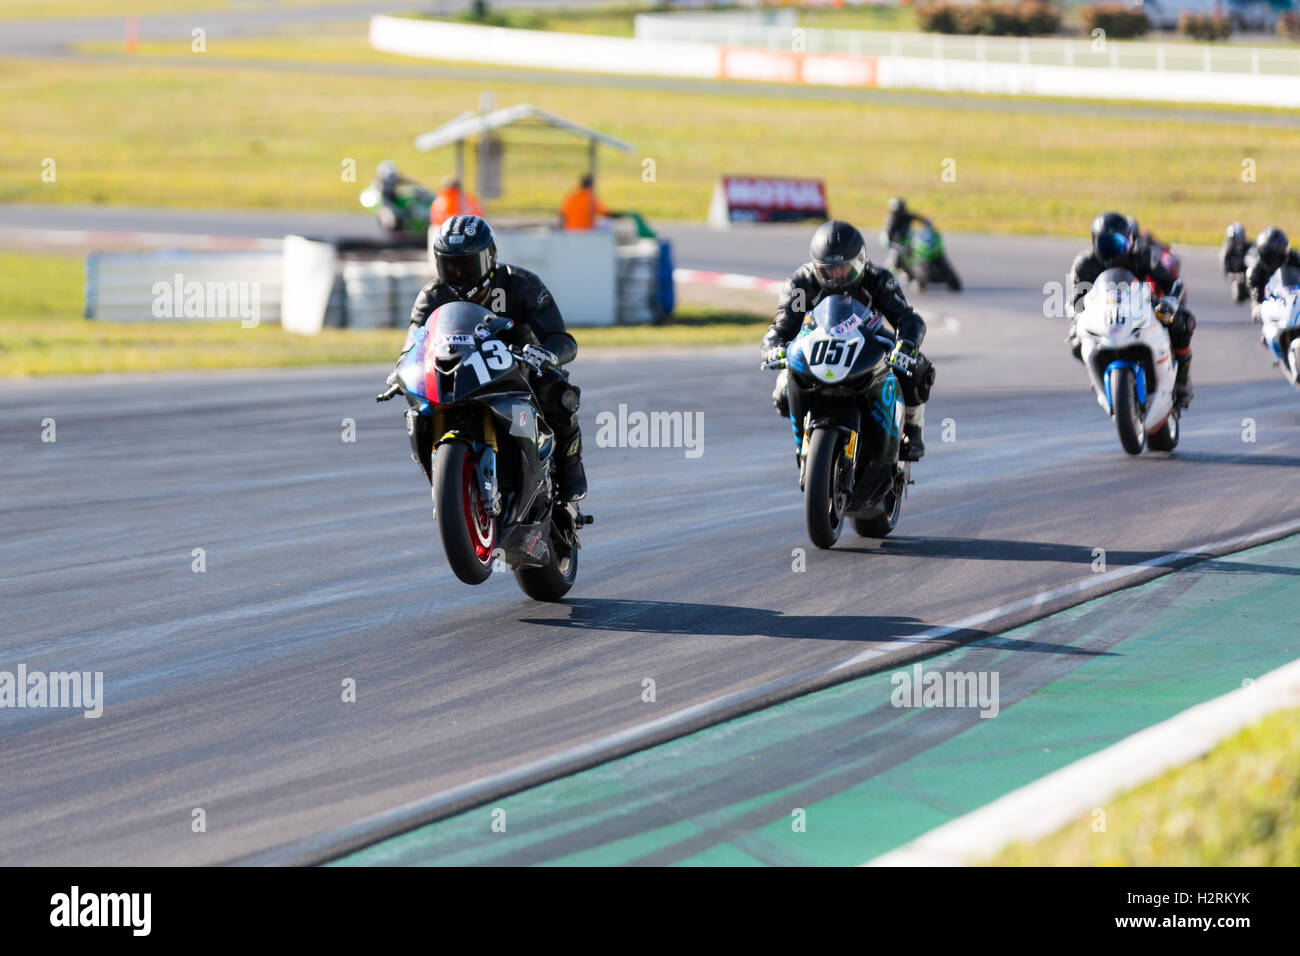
(423, 445)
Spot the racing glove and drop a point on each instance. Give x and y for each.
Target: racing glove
(540, 355)
(773, 353)
(1166, 309)
(905, 357)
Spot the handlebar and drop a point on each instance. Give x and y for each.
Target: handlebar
(391, 392)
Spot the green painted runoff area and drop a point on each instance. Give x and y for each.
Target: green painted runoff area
(842, 775)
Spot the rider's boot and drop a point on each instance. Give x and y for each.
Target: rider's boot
(1183, 392)
(571, 477)
(1075, 343)
(780, 400)
(913, 430)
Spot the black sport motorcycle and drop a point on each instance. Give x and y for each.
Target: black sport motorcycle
(488, 453)
(846, 410)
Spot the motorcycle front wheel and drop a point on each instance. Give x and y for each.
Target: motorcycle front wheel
(823, 508)
(1128, 414)
(467, 529)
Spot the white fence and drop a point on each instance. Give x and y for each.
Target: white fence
(723, 60)
(184, 285)
(750, 30)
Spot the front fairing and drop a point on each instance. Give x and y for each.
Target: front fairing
(1280, 311)
(458, 359)
(1117, 311)
(925, 243)
(841, 343)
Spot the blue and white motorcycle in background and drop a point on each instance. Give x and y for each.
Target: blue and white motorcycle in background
(848, 436)
(1279, 314)
(1126, 349)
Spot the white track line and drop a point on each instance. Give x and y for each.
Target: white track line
(728, 280)
(352, 836)
(1054, 801)
(100, 237)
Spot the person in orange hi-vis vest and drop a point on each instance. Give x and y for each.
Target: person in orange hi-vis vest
(452, 200)
(580, 208)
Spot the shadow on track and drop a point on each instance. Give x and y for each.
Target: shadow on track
(1218, 458)
(720, 620)
(996, 549)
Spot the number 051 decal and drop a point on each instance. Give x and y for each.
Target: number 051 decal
(833, 352)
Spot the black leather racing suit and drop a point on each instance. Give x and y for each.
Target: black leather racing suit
(1087, 267)
(895, 233)
(877, 289)
(897, 224)
(520, 295)
(1233, 255)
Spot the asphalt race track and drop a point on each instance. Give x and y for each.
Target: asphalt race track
(222, 689)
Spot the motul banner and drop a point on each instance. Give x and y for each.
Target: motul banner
(767, 199)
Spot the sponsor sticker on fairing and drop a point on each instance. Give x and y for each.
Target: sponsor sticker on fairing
(847, 326)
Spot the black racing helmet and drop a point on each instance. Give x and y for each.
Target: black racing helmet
(465, 253)
(839, 255)
(1112, 236)
(1273, 245)
(896, 204)
(1235, 234)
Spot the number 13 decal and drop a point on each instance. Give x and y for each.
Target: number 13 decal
(498, 359)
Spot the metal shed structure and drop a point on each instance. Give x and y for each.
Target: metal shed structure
(482, 127)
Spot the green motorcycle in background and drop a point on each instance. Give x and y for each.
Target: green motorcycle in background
(922, 259)
(411, 215)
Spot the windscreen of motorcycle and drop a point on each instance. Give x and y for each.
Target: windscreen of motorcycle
(838, 343)
(1281, 308)
(1116, 301)
(1284, 283)
(926, 242)
(464, 351)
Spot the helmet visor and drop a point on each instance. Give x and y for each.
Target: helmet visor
(1112, 245)
(841, 274)
(465, 271)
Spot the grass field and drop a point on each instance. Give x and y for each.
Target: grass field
(42, 332)
(219, 135)
(1238, 806)
(58, 9)
(617, 20)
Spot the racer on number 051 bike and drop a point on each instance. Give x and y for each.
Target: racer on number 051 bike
(839, 266)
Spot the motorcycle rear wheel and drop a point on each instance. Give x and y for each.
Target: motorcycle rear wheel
(1165, 438)
(553, 580)
(882, 524)
(954, 282)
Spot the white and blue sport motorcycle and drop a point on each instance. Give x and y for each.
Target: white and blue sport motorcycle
(1129, 358)
(1279, 316)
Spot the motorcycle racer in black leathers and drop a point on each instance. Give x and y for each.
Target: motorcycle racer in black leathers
(839, 266)
(1112, 248)
(1274, 251)
(894, 232)
(465, 253)
(1233, 255)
